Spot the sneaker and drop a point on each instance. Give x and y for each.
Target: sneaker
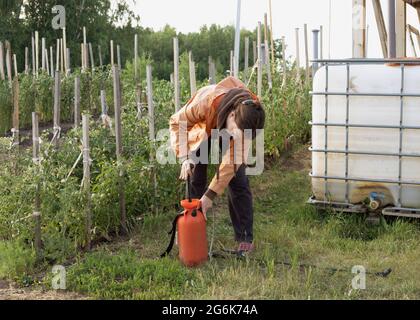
(246, 247)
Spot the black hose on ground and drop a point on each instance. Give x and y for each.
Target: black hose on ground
(242, 256)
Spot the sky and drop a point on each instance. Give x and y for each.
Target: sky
(189, 15)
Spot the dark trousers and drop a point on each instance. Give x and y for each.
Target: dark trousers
(240, 200)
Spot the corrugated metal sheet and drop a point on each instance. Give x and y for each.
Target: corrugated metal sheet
(414, 3)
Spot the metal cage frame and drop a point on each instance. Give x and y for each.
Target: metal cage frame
(347, 206)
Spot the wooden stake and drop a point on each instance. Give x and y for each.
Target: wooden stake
(151, 108)
(119, 57)
(212, 71)
(401, 28)
(37, 203)
(9, 65)
(15, 65)
(231, 68)
(66, 62)
(104, 107)
(43, 58)
(265, 28)
(82, 56)
(16, 138)
(100, 56)
(136, 58)
(86, 180)
(176, 76)
(58, 56)
(62, 55)
(254, 52)
(359, 28)
(85, 49)
(150, 103)
(259, 59)
(118, 135)
(52, 69)
(380, 22)
(47, 64)
(112, 52)
(193, 82)
(57, 107)
(246, 59)
(237, 51)
(33, 55)
(412, 30)
(76, 102)
(272, 35)
(92, 61)
(36, 52)
(35, 138)
(413, 46)
(306, 53)
(26, 60)
(137, 80)
(267, 52)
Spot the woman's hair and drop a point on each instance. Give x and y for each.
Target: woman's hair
(249, 113)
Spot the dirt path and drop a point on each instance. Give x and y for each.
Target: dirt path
(299, 160)
(9, 291)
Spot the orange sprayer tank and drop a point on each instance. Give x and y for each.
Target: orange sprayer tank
(192, 235)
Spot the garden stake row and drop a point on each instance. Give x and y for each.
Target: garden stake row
(86, 180)
(152, 132)
(76, 102)
(177, 91)
(37, 203)
(118, 137)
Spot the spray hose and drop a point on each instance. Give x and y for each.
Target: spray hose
(242, 256)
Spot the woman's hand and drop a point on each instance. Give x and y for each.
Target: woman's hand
(206, 205)
(187, 169)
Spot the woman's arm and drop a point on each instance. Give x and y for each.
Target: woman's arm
(231, 161)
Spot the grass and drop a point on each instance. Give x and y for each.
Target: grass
(286, 230)
(16, 261)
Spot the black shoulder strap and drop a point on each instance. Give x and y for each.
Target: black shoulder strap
(172, 233)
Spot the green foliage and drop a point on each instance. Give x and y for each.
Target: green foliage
(125, 276)
(105, 20)
(286, 230)
(36, 94)
(6, 107)
(62, 200)
(16, 260)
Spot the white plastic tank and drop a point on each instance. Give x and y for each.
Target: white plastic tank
(367, 110)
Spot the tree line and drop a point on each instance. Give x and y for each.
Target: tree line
(105, 21)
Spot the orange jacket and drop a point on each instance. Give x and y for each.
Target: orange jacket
(199, 116)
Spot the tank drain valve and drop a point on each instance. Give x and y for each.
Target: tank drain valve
(376, 200)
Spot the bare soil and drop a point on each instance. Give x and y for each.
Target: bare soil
(9, 291)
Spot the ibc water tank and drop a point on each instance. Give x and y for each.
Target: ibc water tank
(371, 144)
